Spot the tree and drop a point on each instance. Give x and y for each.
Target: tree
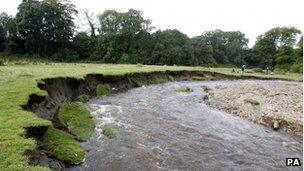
(172, 47)
(84, 45)
(45, 26)
(202, 51)
(119, 33)
(90, 20)
(219, 47)
(2, 38)
(276, 47)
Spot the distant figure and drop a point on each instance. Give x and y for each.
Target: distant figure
(267, 70)
(242, 69)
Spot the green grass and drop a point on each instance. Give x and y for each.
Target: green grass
(77, 118)
(17, 82)
(102, 89)
(83, 98)
(109, 131)
(62, 146)
(184, 89)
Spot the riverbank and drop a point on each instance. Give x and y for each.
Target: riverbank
(276, 104)
(19, 80)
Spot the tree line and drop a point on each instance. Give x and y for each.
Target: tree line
(46, 29)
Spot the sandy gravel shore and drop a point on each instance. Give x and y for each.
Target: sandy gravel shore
(277, 104)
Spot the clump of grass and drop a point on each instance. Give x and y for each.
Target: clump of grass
(62, 146)
(206, 97)
(83, 98)
(109, 131)
(257, 70)
(251, 101)
(102, 89)
(184, 89)
(139, 65)
(2, 63)
(77, 118)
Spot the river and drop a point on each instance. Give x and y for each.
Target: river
(162, 129)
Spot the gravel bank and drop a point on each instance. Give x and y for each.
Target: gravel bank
(278, 104)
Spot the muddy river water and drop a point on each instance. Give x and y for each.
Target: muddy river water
(162, 129)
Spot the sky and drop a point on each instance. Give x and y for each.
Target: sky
(193, 17)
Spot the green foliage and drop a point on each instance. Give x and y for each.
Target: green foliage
(171, 47)
(109, 131)
(65, 55)
(102, 89)
(276, 47)
(77, 118)
(257, 70)
(219, 47)
(62, 146)
(84, 45)
(2, 63)
(83, 98)
(35, 25)
(184, 89)
(297, 68)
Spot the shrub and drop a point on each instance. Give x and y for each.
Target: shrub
(109, 131)
(65, 55)
(184, 89)
(297, 68)
(2, 63)
(102, 89)
(77, 118)
(62, 146)
(257, 70)
(83, 98)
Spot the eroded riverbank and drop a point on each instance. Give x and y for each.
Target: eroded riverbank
(161, 129)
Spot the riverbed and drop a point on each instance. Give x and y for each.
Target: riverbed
(159, 128)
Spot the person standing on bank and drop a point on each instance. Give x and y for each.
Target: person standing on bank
(242, 69)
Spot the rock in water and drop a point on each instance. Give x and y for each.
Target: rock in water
(276, 125)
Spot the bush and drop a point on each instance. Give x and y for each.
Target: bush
(109, 131)
(284, 67)
(2, 63)
(257, 70)
(184, 89)
(77, 118)
(62, 146)
(65, 55)
(102, 89)
(297, 68)
(83, 98)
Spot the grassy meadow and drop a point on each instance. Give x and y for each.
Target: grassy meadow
(19, 80)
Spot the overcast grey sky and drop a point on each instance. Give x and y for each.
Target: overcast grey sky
(193, 17)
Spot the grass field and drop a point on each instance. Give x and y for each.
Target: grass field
(18, 81)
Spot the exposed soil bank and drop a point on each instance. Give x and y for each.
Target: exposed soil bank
(275, 104)
(68, 89)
